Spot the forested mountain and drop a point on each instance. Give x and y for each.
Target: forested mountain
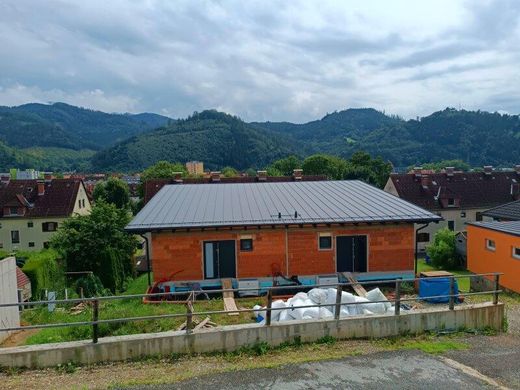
(216, 138)
(474, 136)
(65, 126)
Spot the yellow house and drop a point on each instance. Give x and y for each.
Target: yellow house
(32, 210)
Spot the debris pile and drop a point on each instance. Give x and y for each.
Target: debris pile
(295, 308)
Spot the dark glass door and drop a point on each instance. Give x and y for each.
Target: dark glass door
(351, 254)
(219, 259)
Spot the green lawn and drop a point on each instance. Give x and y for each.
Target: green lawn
(123, 308)
(463, 282)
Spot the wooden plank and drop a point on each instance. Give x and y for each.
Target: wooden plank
(229, 297)
(202, 323)
(359, 289)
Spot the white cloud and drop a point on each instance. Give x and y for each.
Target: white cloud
(261, 60)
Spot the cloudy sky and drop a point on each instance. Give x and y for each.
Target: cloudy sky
(262, 60)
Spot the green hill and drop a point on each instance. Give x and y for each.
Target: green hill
(216, 138)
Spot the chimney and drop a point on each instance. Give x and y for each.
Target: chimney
(426, 181)
(41, 187)
(177, 177)
(215, 176)
(5, 179)
(47, 177)
(517, 169)
(297, 174)
(262, 175)
(488, 169)
(417, 171)
(450, 171)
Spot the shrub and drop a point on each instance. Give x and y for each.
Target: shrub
(91, 285)
(443, 252)
(44, 271)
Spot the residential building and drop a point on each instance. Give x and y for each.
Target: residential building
(495, 247)
(506, 212)
(458, 197)
(285, 229)
(195, 168)
(32, 210)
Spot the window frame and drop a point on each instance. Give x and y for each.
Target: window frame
(243, 240)
(514, 254)
(463, 214)
(17, 237)
(45, 226)
(453, 222)
(451, 202)
(422, 234)
(489, 247)
(30, 224)
(325, 235)
(31, 244)
(11, 211)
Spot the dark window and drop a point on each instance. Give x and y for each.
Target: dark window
(79, 203)
(246, 244)
(15, 237)
(516, 252)
(49, 226)
(46, 245)
(13, 211)
(30, 224)
(83, 203)
(423, 237)
(31, 245)
(463, 214)
(451, 225)
(490, 244)
(325, 242)
(451, 202)
(479, 216)
(1, 244)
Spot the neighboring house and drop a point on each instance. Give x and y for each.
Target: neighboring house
(32, 210)
(495, 247)
(195, 167)
(152, 187)
(206, 232)
(506, 212)
(458, 197)
(24, 285)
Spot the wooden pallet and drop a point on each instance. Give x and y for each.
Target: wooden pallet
(229, 297)
(359, 289)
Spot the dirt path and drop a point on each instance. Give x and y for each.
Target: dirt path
(18, 338)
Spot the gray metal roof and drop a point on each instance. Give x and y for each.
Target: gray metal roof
(512, 227)
(240, 204)
(509, 211)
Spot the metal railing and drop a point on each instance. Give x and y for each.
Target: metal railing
(190, 313)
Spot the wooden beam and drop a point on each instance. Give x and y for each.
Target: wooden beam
(229, 297)
(359, 289)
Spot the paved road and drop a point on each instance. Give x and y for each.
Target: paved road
(384, 370)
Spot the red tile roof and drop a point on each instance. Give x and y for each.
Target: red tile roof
(21, 278)
(57, 201)
(152, 187)
(467, 189)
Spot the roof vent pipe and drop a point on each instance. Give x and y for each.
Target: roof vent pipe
(488, 169)
(450, 171)
(215, 176)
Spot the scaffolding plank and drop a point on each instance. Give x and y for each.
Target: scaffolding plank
(358, 288)
(229, 297)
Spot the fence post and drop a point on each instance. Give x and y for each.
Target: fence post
(497, 287)
(338, 302)
(397, 302)
(95, 317)
(452, 292)
(189, 314)
(269, 305)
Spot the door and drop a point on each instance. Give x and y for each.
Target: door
(351, 254)
(219, 259)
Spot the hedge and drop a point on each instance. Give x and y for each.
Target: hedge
(44, 271)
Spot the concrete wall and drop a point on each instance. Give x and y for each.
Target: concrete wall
(9, 316)
(232, 337)
(292, 252)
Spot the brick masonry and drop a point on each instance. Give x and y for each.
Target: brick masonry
(179, 256)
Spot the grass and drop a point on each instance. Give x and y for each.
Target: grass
(462, 282)
(426, 343)
(122, 308)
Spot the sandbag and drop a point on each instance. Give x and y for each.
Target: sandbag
(318, 295)
(259, 314)
(377, 295)
(278, 304)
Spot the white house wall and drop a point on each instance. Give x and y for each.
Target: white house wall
(9, 316)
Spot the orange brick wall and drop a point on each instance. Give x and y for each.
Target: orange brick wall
(390, 248)
(482, 260)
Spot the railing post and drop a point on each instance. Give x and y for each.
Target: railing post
(269, 306)
(338, 302)
(497, 287)
(452, 293)
(189, 314)
(95, 317)
(397, 302)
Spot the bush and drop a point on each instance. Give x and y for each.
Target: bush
(91, 285)
(44, 271)
(443, 252)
